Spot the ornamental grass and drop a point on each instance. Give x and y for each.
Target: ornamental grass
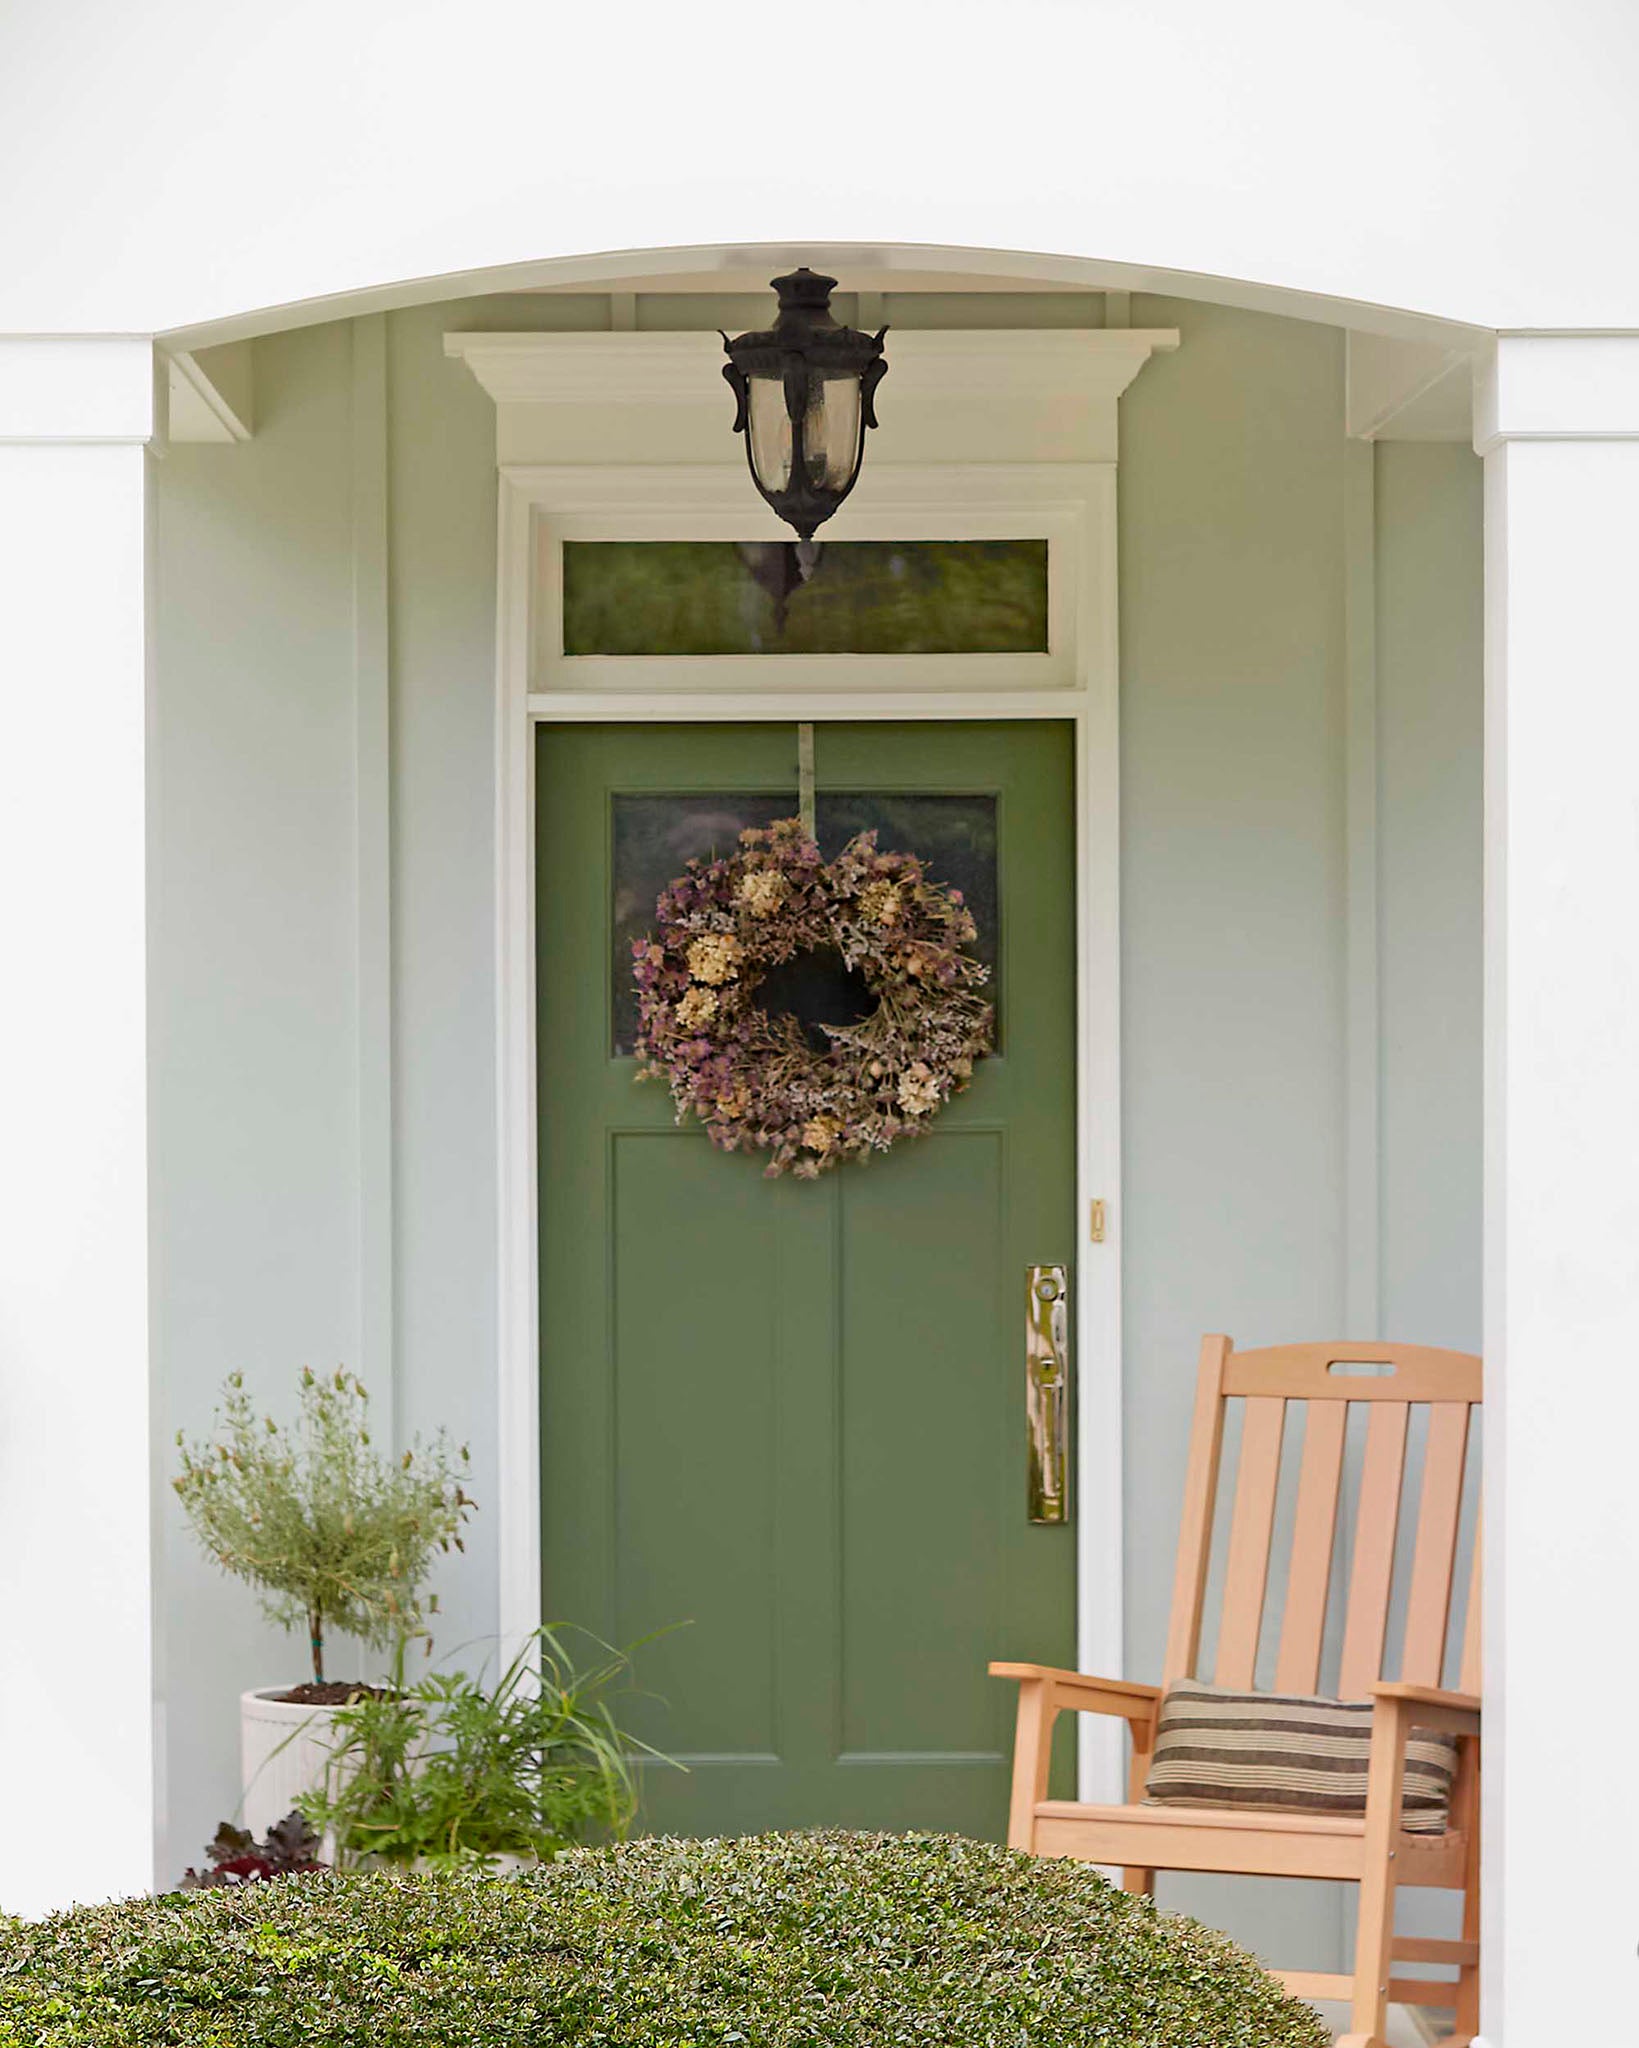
(777, 1941)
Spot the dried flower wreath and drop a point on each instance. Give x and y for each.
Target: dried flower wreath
(752, 1076)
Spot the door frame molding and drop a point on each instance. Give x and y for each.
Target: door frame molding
(1074, 505)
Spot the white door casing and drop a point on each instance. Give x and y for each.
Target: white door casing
(1071, 503)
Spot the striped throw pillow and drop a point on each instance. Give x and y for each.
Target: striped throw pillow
(1287, 1755)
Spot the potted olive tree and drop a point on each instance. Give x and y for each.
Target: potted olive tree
(336, 1537)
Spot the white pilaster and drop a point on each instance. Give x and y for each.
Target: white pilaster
(1558, 424)
(76, 1676)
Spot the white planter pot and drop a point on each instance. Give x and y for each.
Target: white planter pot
(282, 1748)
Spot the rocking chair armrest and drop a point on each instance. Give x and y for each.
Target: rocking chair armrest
(1078, 1692)
(1432, 1706)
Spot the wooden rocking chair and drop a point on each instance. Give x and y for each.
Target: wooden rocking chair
(1373, 1850)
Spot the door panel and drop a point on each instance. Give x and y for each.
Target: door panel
(790, 1415)
(924, 1409)
(682, 1237)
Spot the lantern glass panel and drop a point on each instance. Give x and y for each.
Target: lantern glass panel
(770, 434)
(831, 431)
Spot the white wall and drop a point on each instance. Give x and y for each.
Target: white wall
(1557, 420)
(1231, 510)
(75, 1505)
(254, 1013)
(187, 161)
(442, 587)
(1236, 907)
(1234, 773)
(1430, 691)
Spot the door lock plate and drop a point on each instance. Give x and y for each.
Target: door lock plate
(1047, 1390)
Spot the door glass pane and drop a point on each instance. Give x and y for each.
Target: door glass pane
(655, 835)
(955, 835)
(673, 597)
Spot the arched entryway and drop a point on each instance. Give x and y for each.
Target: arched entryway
(336, 535)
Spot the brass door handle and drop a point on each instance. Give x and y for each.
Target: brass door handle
(1047, 1390)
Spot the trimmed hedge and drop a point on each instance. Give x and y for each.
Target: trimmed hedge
(775, 1941)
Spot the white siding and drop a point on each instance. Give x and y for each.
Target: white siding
(1232, 538)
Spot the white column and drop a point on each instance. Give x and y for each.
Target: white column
(1558, 424)
(76, 1662)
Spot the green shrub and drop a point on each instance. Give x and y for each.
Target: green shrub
(775, 1941)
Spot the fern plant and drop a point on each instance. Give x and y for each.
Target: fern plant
(331, 1532)
(450, 1770)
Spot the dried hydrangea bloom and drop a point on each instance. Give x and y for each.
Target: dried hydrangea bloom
(763, 891)
(918, 1091)
(880, 902)
(715, 958)
(697, 1008)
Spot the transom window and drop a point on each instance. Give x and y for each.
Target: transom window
(715, 597)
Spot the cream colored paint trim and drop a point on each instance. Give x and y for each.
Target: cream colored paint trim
(1407, 390)
(1362, 1024)
(950, 365)
(934, 501)
(863, 266)
(210, 393)
(987, 501)
(376, 1348)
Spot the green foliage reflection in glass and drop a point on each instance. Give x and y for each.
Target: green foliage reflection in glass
(451, 1770)
(752, 597)
(328, 1529)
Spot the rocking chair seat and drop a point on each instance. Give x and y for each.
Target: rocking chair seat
(1247, 1841)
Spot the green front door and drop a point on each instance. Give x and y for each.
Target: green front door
(788, 1414)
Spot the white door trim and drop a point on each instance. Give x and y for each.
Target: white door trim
(1073, 505)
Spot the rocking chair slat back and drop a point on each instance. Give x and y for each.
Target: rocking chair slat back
(1376, 1530)
(1206, 1443)
(1246, 1577)
(1321, 1384)
(1314, 1532)
(1434, 1561)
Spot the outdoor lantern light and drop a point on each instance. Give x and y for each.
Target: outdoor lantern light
(803, 392)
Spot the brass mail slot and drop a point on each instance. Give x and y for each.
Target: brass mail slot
(1047, 1390)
